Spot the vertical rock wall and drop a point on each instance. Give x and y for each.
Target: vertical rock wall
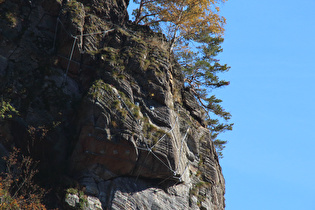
(112, 101)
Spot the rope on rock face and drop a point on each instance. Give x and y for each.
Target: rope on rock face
(95, 33)
(118, 26)
(71, 54)
(174, 136)
(64, 28)
(149, 149)
(167, 178)
(158, 141)
(55, 36)
(184, 170)
(180, 178)
(74, 41)
(141, 148)
(122, 101)
(74, 36)
(165, 134)
(181, 147)
(142, 166)
(174, 172)
(82, 35)
(134, 118)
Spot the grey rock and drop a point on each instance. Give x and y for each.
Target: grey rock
(88, 203)
(120, 121)
(3, 65)
(193, 106)
(93, 203)
(72, 200)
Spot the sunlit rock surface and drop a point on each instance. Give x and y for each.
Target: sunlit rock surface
(107, 105)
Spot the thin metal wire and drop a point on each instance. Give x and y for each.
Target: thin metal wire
(165, 179)
(95, 33)
(149, 149)
(181, 147)
(162, 162)
(165, 134)
(141, 167)
(55, 37)
(64, 28)
(74, 42)
(71, 54)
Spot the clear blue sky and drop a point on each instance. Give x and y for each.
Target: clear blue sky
(269, 161)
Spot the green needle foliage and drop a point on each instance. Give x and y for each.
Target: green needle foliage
(194, 30)
(201, 70)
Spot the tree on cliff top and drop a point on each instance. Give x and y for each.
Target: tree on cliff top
(200, 69)
(194, 30)
(180, 19)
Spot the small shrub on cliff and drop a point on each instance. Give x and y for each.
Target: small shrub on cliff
(12, 18)
(7, 110)
(17, 187)
(75, 10)
(83, 203)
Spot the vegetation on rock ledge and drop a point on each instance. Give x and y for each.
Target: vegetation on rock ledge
(17, 187)
(194, 31)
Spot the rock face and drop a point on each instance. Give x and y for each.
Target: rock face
(102, 98)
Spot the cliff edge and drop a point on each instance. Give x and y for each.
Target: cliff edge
(100, 100)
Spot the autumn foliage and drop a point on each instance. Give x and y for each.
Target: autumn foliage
(181, 19)
(17, 187)
(194, 31)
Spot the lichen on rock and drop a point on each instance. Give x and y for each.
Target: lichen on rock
(111, 103)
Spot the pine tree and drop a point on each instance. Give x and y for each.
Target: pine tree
(194, 30)
(201, 68)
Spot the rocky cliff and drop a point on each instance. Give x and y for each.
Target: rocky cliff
(100, 100)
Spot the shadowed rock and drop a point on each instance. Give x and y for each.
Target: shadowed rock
(106, 104)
